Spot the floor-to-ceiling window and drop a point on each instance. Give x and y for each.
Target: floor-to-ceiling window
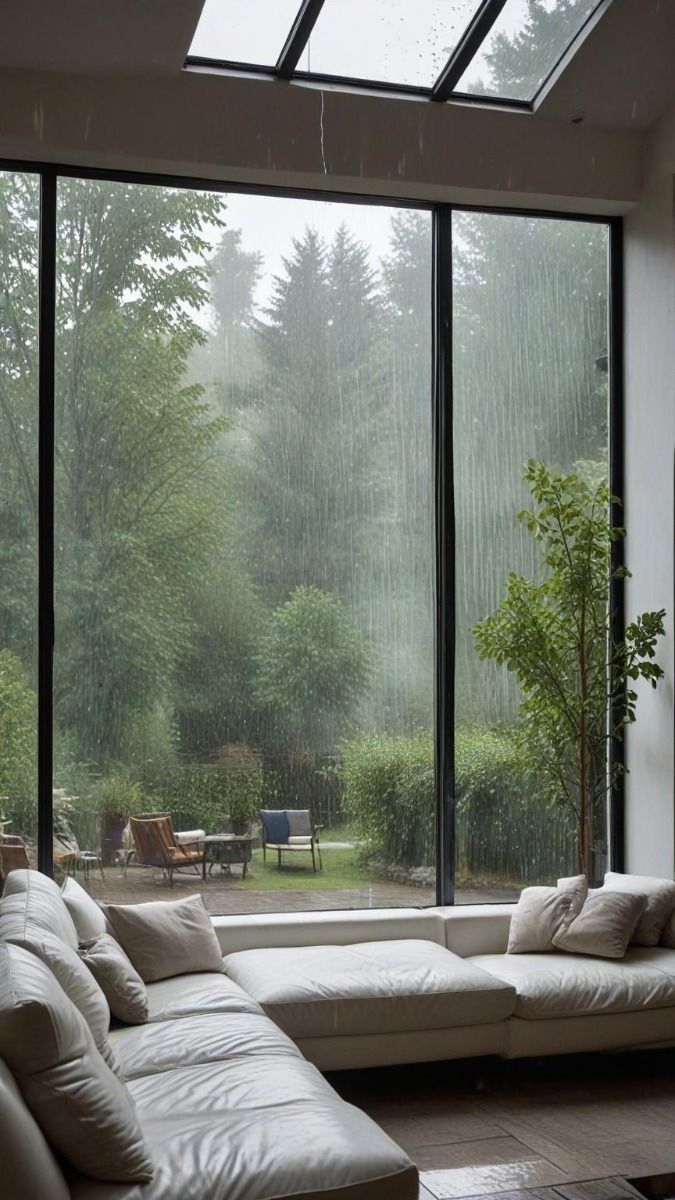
(19, 217)
(245, 534)
(530, 381)
(244, 540)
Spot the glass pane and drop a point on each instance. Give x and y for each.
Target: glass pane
(252, 32)
(390, 41)
(523, 45)
(530, 381)
(245, 570)
(19, 214)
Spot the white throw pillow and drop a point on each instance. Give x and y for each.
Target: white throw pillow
(79, 985)
(604, 926)
(167, 937)
(89, 918)
(117, 978)
(660, 905)
(542, 911)
(82, 1108)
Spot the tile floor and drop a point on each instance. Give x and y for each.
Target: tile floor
(536, 1129)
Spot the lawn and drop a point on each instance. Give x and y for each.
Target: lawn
(341, 868)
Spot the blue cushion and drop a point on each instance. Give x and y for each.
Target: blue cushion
(275, 822)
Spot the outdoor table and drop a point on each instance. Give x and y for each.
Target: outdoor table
(227, 848)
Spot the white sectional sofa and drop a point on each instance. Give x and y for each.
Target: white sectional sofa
(224, 1073)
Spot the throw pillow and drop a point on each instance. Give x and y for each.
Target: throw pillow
(539, 913)
(88, 917)
(660, 905)
(167, 937)
(82, 1108)
(118, 979)
(604, 926)
(576, 887)
(79, 985)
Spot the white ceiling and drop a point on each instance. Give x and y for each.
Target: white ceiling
(622, 75)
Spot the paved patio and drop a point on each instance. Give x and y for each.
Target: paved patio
(224, 895)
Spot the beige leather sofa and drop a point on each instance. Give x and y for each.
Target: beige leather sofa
(228, 1106)
(224, 1073)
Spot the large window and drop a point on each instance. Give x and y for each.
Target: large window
(530, 382)
(244, 580)
(249, 406)
(19, 212)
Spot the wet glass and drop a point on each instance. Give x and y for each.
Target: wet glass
(522, 47)
(252, 32)
(390, 41)
(530, 313)
(19, 217)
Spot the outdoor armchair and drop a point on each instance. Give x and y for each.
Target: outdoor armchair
(156, 845)
(290, 829)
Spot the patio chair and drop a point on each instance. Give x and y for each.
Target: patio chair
(13, 854)
(290, 829)
(156, 845)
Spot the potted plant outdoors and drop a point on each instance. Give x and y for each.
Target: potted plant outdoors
(244, 790)
(556, 636)
(115, 799)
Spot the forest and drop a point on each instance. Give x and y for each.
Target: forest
(243, 510)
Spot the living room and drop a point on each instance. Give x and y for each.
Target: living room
(337, 405)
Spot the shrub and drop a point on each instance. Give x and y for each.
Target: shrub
(505, 829)
(389, 795)
(18, 747)
(201, 797)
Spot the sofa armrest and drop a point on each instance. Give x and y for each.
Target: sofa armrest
(477, 928)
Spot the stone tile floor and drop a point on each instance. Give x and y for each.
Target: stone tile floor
(536, 1129)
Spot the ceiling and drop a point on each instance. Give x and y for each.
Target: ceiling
(621, 76)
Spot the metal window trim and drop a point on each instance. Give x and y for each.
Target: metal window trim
(442, 452)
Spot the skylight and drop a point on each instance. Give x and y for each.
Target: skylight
(492, 51)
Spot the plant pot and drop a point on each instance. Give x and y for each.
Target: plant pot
(112, 828)
(241, 828)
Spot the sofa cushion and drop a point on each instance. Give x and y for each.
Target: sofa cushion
(186, 995)
(83, 1109)
(88, 917)
(604, 926)
(275, 825)
(299, 823)
(29, 1168)
(204, 1038)
(660, 894)
(118, 979)
(567, 985)
(370, 987)
(260, 1128)
(41, 904)
(167, 937)
(78, 983)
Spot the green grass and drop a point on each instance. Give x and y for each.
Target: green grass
(341, 869)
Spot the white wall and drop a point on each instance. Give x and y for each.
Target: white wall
(648, 495)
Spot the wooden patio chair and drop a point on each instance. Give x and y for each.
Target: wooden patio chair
(156, 846)
(13, 855)
(290, 829)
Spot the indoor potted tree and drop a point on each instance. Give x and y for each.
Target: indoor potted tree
(557, 637)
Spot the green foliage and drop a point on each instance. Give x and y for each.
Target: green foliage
(556, 637)
(200, 797)
(313, 667)
(389, 795)
(504, 828)
(18, 748)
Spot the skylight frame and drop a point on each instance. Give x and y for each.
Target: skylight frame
(441, 91)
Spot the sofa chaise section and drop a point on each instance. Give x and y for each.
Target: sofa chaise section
(383, 990)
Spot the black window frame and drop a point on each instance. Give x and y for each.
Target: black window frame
(441, 299)
(442, 89)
